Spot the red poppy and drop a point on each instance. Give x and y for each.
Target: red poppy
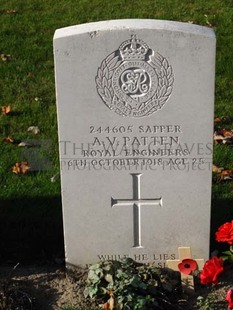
(187, 266)
(225, 233)
(229, 298)
(212, 268)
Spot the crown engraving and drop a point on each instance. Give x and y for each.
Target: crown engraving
(134, 81)
(133, 49)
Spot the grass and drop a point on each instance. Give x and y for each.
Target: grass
(32, 202)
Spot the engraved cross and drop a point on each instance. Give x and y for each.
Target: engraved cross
(137, 202)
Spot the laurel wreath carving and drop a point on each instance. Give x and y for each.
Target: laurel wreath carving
(165, 82)
(104, 76)
(163, 91)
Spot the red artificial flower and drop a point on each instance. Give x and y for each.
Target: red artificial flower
(187, 266)
(225, 233)
(229, 298)
(212, 268)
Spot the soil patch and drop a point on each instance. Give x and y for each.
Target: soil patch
(46, 288)
(52, 288)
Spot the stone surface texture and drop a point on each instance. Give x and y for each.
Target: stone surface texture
(135, 114)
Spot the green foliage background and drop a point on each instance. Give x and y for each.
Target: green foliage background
(30, 205)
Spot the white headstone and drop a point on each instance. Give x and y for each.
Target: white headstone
(135, 113)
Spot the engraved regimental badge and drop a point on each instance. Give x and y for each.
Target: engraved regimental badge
(134, 80)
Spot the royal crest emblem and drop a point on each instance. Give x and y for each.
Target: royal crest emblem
(134, 80)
